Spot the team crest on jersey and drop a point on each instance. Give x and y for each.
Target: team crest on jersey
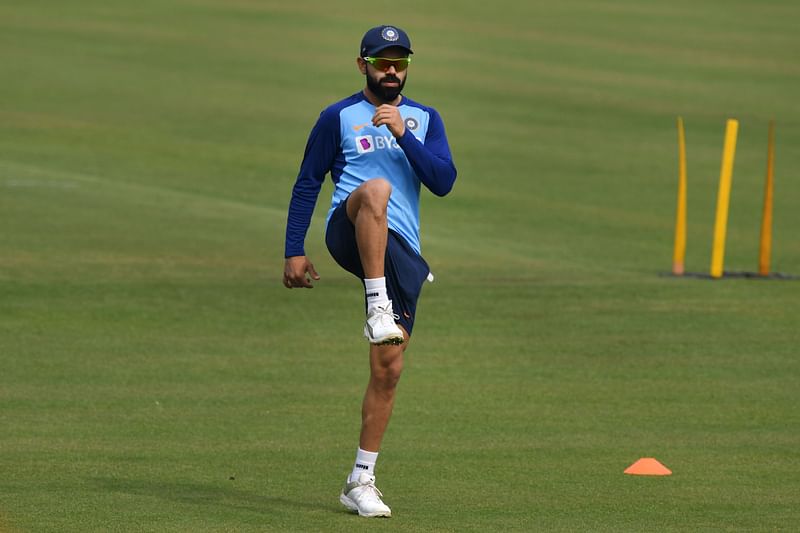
(365, 144)
(412, 124)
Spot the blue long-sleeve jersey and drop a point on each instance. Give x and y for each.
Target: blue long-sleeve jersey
(345, 143)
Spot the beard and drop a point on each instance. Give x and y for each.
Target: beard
(386, 94)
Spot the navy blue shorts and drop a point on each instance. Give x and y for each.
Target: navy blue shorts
(405, 270)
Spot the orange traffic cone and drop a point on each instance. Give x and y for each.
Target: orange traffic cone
(647, 466)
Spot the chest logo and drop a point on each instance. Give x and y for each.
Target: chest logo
(369, 143)
(365, 144)
(412, 123)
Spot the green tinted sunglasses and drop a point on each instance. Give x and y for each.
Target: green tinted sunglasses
(383, 63)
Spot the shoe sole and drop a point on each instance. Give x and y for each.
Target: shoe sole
(347, 502)
(392, 340)
(388, 341)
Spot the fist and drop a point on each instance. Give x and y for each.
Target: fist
(389, 115)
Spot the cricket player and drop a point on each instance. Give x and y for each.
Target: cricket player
(378, 147)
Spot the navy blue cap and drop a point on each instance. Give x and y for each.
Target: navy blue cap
(382, 37)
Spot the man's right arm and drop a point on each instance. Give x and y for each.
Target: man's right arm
(321, 148)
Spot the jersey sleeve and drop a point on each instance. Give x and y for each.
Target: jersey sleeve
(321, 149)
(432, 160)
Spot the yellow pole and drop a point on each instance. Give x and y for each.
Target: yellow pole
(723, 198)
(765, 249)
(679, 255)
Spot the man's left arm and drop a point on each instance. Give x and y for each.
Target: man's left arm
(431, 161)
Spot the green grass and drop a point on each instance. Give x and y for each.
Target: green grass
(156, 376)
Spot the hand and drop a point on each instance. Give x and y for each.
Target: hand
(389, 115)
(295, 270)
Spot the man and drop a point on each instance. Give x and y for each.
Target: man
(378, 146)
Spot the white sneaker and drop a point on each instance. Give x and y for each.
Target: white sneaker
(381, 328)
(364, 497)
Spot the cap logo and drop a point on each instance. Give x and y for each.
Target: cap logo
(390, 34)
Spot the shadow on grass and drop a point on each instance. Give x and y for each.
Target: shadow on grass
(210, 495)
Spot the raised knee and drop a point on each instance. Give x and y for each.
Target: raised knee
(378, 186)
(376, 193)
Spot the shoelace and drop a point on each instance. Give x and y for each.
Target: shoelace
(386, 312)
(371, 488)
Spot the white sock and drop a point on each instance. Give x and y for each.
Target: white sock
(376, 292)
(365, 462)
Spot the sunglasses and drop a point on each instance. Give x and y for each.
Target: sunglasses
(383, 63)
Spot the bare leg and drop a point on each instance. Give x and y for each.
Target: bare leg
(366, 209)
(386, 365)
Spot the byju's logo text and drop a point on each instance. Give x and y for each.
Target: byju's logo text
(368, 143)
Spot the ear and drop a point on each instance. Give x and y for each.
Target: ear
(362, 65)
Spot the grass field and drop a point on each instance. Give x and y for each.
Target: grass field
(156, 376)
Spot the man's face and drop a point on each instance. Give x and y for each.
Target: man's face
(386, 85)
